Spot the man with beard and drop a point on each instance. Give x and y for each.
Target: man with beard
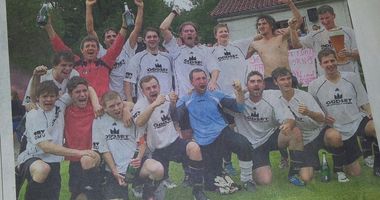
(188, 56)
(118, 73)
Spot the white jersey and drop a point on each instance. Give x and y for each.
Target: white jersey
(144, 63)
(159, 128)
(47, 77)
(320, 39)
(43, 126)
(342, 101)
(232, 63)
(260, 120)
(186, 59)
(110, 135)
(310, 128)
(118, 73)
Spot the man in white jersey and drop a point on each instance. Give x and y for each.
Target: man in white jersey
(118, 73)
(39, 163)
(117, 145)
(268, 125)
(154, 116)
(310, 120)
(343, 98)
(150, 61)
(188, 56)
(320, 39)
(233, 66)
(60, 73)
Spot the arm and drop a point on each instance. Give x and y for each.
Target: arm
(36, 80)
(108, 158)
(128, 88)
(127, 116)
(89, 18)
(292, 30)
(213, 81)
(295, 11)
(98, 110)
(367, 109)
(287, 126)
(138, 23)
(251, 49)
(51, 148)
(316, 116)
(238, 92)
(145, 115)
(165, 25)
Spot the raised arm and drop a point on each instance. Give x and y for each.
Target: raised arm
(165, 25)
(138, 23)
(89, 18)
(295, 11)
(292, 30)
(143, 118)
(36, 79)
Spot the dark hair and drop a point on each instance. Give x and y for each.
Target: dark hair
(280, 71)
(109, 95)
(146, 79)
(89, 38)
(271, 21)
(191, 24)
(48, 87)
(253, 73)
(74, 82)
(218, 26)
(325, 52)
(195, 71)
(67, 56)
(325, 9)
(107, 30)
(151, 29)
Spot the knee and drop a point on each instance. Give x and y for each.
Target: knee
(39, 171)
(263, 178)
(306, 177)
(333, 138)
(154, 168)
(297, 134)
(88, 162)
(193, 150)
(370, 129)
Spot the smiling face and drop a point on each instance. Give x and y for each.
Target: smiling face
(199, 82)
(79, 96)
(329, 64)
(327, 20)
(46, 101)
(151, 89)
(151, 40)
(63, 70)
(189, 35)
(263, 27)
(222, 35)
(284, 82)
(114, 107)
(109, 38)
(90, 50)
(255, 86)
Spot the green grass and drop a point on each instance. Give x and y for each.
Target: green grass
(365, 187)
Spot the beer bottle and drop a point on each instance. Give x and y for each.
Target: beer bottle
(131, 171)
(325, 169)
(128, 17)
(42, 17)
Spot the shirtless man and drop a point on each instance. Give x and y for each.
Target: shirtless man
(273, 48)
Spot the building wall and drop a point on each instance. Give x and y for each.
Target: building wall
(244, 26)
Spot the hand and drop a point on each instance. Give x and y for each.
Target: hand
(89, 153)
(292, 23)
(176, 9)
(135, 163)
(303, 110)
(173, 97)
(237, 86)
(120, 178)
(285, 129)
(280, 31)
(40, 70)
(329, 120)
(139, 3)
(212, 85)
(90, 2)
(159, 100)
(127, 118)
(30, 106)
(98, 111)
(344, 53)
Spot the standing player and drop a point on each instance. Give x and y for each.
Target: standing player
(118, 73)
(150, 61)
(343, 98)
(188, 56)
(268, 124)
(39, 163)
(310, 120)
(117, 145)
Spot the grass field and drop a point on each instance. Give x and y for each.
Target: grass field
(365, 187)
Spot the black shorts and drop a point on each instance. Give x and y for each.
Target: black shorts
(53, 181)
(309, 157)
(112, 189)
(260, 155)
(176, 151)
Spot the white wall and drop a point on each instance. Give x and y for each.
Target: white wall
(245, 25)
